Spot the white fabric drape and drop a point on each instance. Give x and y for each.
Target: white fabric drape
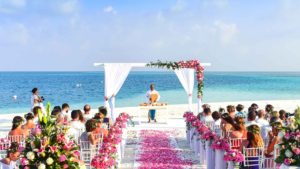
(186, 78)
(115, 75)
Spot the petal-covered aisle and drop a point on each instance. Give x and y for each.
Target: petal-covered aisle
(157, 152)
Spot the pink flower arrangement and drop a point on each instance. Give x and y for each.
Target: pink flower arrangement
(209, 135)
(220, 144)
(202, 129)
(233, 155)
(107, 153)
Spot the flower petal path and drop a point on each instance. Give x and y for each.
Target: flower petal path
(158, 153)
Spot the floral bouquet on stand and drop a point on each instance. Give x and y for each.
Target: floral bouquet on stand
(290, 146)
(220, 144)
(49, 147)
(109, 155)
(234, 158)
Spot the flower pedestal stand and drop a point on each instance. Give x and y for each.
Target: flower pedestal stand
(219, 160)
(202, 151)
(191, 137)
(282, 166)
(188, 136)
(233, 165)
(210, 155)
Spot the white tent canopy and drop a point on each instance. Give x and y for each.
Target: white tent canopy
(115, 75)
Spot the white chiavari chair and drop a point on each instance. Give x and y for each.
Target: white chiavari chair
(99, 138)
(218, 130)
(87, 152)
(235, 143)
(226, 134)
(269, 162)
(253, 157)
(4, 145)
(17, 138)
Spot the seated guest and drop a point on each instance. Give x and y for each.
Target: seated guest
(222, 110)
(239, 109)
(64, 112)
(273, 138)
(75, 122)
(226, 124)
(231, 111)
(91, 130)
(56, 113)
(217, 118)
(207, 115)
(100, 129)
(87, 112)
(16, 129)
(254, 106)
(251, 118)
(81, 117)
(239, 128)
(13, 155)
(201, 114)
(29, 122)
(102, 114)
(269, 109)
(261, 118)
(254, 140)
(36, 111)
(282, 116)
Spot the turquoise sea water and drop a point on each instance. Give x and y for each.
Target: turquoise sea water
(79, 88)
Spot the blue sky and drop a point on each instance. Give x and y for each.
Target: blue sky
(70, 35)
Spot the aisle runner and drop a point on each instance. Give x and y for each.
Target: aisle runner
(156, 152)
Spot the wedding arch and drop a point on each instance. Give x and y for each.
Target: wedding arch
(115, 75)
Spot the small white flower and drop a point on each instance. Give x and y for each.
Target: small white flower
(42, 166)
(225, 153)
(233, 154)
(288, 153)
(49, 161)
(277, 146)
(30, 155)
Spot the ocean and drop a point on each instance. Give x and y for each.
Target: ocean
(80, 88)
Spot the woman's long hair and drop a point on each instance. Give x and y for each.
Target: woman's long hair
(17, 121)
(239, 123)
(227, 118)
(253, 136)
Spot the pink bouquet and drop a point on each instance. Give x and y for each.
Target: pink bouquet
(233, 155)
(220, 144)
(202, 129)
(209, 135)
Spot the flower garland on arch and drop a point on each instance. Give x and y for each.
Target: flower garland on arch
(194, 64)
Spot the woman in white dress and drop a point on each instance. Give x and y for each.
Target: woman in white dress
(13, 155)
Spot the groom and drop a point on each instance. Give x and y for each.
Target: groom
(152, 97)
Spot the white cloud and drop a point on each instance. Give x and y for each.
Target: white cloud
(11, 6)
(226, 31)
(110, 9)
(69, 6)
(179, 6)
(217, 3)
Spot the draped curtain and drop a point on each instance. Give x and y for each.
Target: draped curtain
(186, 78)
(115, 76)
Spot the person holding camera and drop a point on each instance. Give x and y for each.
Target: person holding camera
(36, 100)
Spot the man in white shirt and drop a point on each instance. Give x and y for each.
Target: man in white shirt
(152, 97)
(207, 115)
(87, 112)
(252, 118)
(77, 127)
(261, 118)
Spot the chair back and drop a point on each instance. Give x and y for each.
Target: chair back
(253, 157)
(235, 143)
(226, 134)
(87, 152)
(4, 145)
(17, 138)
